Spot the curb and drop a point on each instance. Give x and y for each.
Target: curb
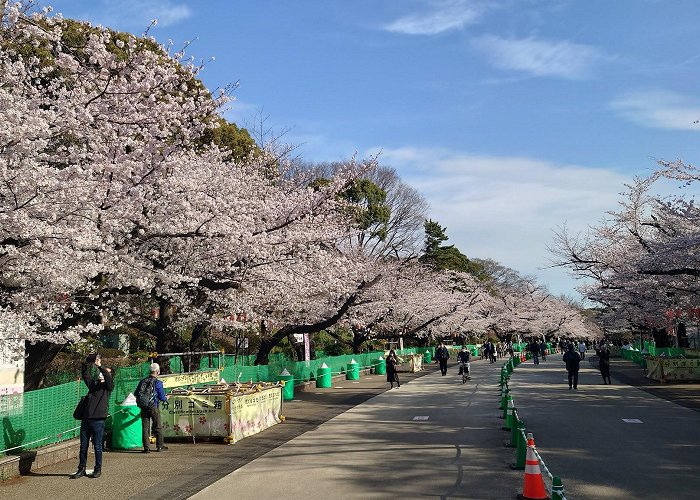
(28, 461)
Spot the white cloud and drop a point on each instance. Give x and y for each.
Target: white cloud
(241, 113)
(507, 208)
(540, 57)
(136, 15)
(447, 16)
(658, 109)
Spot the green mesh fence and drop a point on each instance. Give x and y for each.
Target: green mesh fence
(45, 416)
(303, 371)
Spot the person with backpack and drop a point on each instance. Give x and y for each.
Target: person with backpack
(149, 394)
(96, 410)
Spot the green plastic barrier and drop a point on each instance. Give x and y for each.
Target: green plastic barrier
(379, 366)
(126, 427)
(288, 391)
(353, 371)
(428, 356)
(323, 377)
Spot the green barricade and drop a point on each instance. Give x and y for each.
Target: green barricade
(126, 427)
(323, 377)
(379, 366)
(288, 379)
(353, 371)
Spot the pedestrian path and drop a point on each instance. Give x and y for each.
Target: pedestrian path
(431, 438)
(608, 441)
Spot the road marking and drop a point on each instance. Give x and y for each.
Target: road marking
(338, 387)
(421, 417)
(632, 421)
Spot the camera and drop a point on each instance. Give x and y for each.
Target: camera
(91, 358)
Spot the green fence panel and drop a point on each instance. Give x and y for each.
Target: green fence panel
(45, 416)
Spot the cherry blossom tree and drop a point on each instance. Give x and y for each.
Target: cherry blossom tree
(641, 261)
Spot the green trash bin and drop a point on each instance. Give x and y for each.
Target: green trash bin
(288, 390)
(428, 357)
(353, 371)
(323, 377)
(379, 366)
(126, 427)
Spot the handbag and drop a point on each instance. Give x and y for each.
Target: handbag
(79, 411)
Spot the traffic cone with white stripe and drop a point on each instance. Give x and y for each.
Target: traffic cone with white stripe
(533, 485)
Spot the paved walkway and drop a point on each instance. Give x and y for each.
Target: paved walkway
(432, 438)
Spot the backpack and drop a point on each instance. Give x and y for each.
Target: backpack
(146, 392)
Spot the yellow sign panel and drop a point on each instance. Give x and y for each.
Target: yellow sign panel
(195, 415)
(253, 413)
(673, 369)
(182, 379)
(223, 415)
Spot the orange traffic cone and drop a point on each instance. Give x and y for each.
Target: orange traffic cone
(533, 485)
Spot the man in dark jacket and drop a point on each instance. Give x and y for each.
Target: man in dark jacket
(441, 356)
(572, 360)
(96, 412)
(150, 415)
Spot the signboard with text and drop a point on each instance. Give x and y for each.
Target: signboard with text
(221, 415)
(185, 379)
(11, 376)
(673, 369)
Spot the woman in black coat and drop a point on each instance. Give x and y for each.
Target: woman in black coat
(96, 412)
(391, 375)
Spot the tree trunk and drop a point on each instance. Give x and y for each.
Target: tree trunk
(263, 356)
(358, 338)
(39, 357)
(167, 340)
(196, 344)
(297, 346)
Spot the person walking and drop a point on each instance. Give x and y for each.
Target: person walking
(604, 363)
(543, 350)
(492, 352)
(441, 356)
(150, 414)
(534, 349)
(391, 374)
(463, 358)
(92, 425)
(572, 360)
(582, 349)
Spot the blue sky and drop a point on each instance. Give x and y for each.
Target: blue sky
(511, 117)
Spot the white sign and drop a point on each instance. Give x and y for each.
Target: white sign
(11, 375)
(632, 421)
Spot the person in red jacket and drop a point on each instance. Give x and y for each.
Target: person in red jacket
(92, 425)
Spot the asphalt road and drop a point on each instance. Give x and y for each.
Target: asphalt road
(616, 441)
